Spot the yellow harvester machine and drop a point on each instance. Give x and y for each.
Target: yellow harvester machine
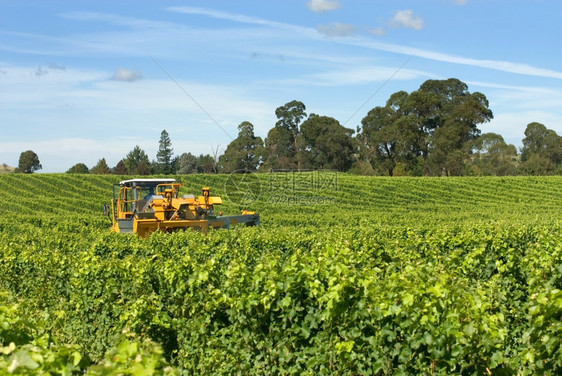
(142, 206)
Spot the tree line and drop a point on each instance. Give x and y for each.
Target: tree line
(432, 131)
(137, 162)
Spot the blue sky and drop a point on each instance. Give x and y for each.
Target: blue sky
(81, 80)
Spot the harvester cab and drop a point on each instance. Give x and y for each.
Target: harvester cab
(142, 206)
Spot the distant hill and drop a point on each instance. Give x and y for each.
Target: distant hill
(5, 169)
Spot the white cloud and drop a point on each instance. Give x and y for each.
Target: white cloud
(25, 89)
(526, 97)
(378, 31)
(67, 105)
(336, 29)
(55, 66)
(461, 2)
(511, 125)
(504, 66)
(516, 106)
(406, 18)
(236, 17)
(323, 5)
(154, 36)
(126, 75)
(76, 116)
(135, 23)
(40, 71)
(267, 56)
(362, 75)
(303, 32)
(59, 155)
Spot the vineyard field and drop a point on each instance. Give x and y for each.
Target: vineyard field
(346, 275)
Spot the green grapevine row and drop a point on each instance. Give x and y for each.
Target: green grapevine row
(399, 276)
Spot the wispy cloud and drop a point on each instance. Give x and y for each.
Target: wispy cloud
(58, 155)
(302, 31)
(126, 75)
(267, 56)
(378, 31)
(155, 30)
(68, 112)
(56, 66)
(526, 97)
(511, 125)
(336, 29)
(130, 22)
(40, 71)
(516, 106)
(236, 17)
(151, 32)
(406, 18)
(362, 75)
(504, 66)
(320, 6)
(69, 116)
(91, 102)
